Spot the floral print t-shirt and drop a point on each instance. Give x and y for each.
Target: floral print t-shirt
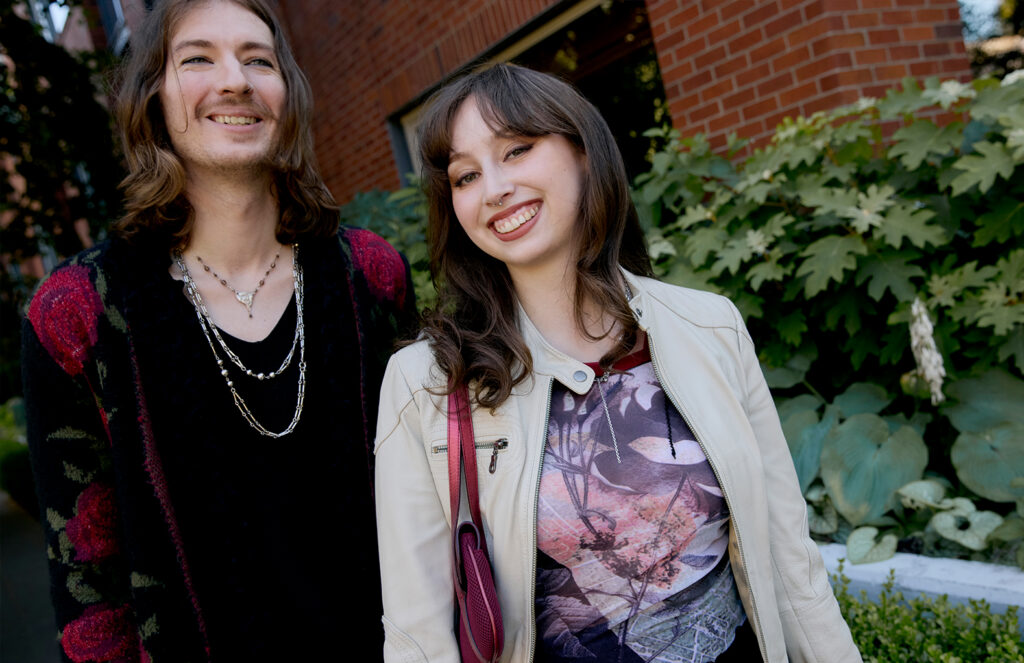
(632, 530)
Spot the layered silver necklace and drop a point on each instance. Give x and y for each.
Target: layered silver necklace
(299, 339)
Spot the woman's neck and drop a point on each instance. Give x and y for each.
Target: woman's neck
(552, 311)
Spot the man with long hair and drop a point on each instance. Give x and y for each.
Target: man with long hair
(201, 388)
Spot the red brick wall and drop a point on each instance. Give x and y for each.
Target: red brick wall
(743, 65)
(367, 59)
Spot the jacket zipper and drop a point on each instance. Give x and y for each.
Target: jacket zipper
(536, 508)
(739, 542)
(498, 445)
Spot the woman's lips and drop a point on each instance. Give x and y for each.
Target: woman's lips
(516, 221)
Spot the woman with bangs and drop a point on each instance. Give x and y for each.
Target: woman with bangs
(640, 502)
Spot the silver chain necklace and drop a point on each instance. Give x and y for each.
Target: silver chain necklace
(244, 297)
(207, 325)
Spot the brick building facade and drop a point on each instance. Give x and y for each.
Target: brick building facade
(725, 65)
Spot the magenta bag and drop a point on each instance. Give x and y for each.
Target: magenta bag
(480, 631)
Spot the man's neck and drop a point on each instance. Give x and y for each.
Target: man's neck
(235, 219)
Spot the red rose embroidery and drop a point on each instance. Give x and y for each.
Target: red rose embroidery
(102, 633)
(380, 264)
(93, 528)
(64, 314)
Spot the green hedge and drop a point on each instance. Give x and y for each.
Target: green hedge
(894, 630)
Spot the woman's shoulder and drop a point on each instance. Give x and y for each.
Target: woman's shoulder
(417, 365)
(700, 307)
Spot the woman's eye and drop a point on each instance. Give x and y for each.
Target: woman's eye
(195, 59)
(518, 150)
(463, 180)
(263, 62)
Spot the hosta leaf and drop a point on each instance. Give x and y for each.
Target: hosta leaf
(862, 397)
(793, 405)
(805, 436)
(823, 519)
(863, 466)
(988, 461)
(921, 494)
(827, 259)
(862, 548)
(970, 530)
(985, 402)
(917, 142)
(1011, 529)
(995, 159)
(1000, 224)
(905, 221)
(890, 271)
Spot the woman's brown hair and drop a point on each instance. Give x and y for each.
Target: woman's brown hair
(155, 204)
(473, 330)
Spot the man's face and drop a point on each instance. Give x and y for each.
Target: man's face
(223, 92)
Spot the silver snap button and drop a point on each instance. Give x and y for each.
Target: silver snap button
(579, 376)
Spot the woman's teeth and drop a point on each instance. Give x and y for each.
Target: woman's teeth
(511, 223)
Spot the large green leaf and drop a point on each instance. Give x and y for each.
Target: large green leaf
(988, 461)
(921, 139)
(994, 398)
(907, 221)
(1000, 224)
(862, 397)
(890, 271)
(1013, 347)
(805, 435)
(995, 160)
(827, 259)
(863, 466)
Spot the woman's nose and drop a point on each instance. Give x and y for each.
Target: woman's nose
(499, 187)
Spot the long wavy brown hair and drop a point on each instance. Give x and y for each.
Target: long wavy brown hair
(156, 208)
(473, 330)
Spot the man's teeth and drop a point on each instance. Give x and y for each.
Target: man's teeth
(234, 119)
(513, 222)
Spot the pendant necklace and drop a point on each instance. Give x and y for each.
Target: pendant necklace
(208, 327)
(244, 297)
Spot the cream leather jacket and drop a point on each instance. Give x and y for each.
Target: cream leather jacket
(706, 363)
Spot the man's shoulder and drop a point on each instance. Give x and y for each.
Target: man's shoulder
(378, 264)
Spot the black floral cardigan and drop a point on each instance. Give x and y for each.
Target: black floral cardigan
(121, 585)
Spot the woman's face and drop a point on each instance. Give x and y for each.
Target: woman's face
(516, 197)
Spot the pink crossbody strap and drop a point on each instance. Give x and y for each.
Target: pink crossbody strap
(462, 452)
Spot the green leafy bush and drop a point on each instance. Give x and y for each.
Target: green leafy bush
(880, 276)
(894, 630)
